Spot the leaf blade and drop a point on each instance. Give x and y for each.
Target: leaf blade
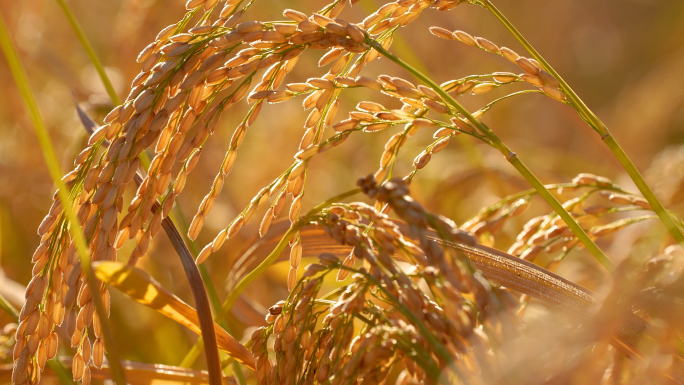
(142, 288)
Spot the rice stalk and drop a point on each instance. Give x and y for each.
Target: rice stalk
(88, 48)
(513, 159)
(594, 122)
(421, 301)
(21, 369)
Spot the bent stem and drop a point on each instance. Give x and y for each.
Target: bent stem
(593, 120)
(193, 353)
(510, 156)
(53, 166)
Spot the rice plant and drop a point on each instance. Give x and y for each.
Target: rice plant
(391, 291)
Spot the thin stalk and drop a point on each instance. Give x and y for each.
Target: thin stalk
(90, 52)
(239, 376)
(8, 308)
(80, 34)
(510, 156)
(48, 151)
(192, 355)
(61, 372)
(471, 152)
(596, 123)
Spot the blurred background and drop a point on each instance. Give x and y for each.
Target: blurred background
(623, 57)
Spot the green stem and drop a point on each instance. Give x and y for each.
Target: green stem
(646, 191)
(144, 157)
(471, 152)
(21, 79)
(510, 156)
(8, 308)
(194, 352)
(90, 52)
(61, 372)
(239, 376)
(596, 123)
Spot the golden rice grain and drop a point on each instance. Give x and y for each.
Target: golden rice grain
(620, 199)
(509, 54)
(549, 79)
(279, 203)
(407, 92)
(528, 66)
(356, 33)
(442, 32)
(487, 45)
(307, 153)
(464, 87)
(98, 353)
(483, 88)
(235, 226)
(534, 80)
(280, 96)
(20, 368)
(295, 208)
(147, 52)
(291, 279)
(641, 202)
(85, 380)
(368, 83)
(424, 123)
(296, 171)
(376, 127)
(337, 29)
(348, 124)
(436, 106)
(504, 77)
(440, 145)
(51, 345)
(97, 135)
(296, 254)
(77, 366)
(554, 93)
(196, 226)
(321, 83)
(85, 348)
(203, 254)
(464, 37)
(181, 37)
(421, 160)
(370, 107)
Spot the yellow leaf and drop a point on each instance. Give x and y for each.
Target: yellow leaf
(136, 374)
(142, 288)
